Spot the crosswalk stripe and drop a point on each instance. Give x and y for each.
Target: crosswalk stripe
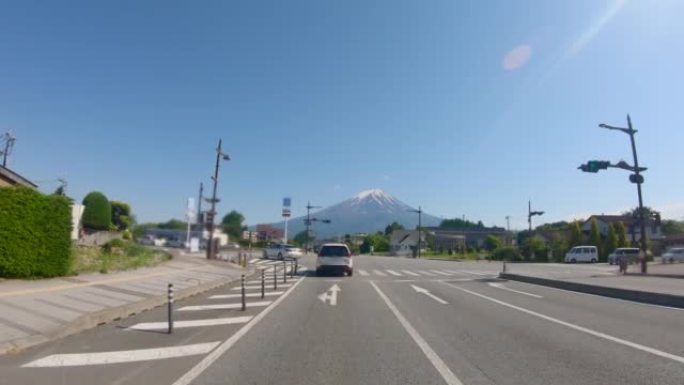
(117, 357)
(410, 273)
(248, 295)
(224, 306)
(423, 272)
(394, 273)
(363, 272)
(190, 324)
(380, 273)
(253, 287)
(253, 260)
(441, 272)
(262, 261)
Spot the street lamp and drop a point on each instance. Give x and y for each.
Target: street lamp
(211, 251)
(637, 179)
(420, 225)
(531, 213)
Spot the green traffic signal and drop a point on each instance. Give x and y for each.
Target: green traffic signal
(595, 166)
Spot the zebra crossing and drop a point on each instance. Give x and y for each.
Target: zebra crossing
(431, 273)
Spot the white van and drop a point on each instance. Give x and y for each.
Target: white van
(582, 254)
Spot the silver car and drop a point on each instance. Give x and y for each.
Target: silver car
(631, 253)
(281, 251)
(674, 254)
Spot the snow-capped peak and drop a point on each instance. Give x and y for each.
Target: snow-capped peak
(375, 194)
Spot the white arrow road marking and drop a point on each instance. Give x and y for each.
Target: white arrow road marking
(582, 329)
(252, 287)
(330, 295)
(190, 324)
(248, 295)
(363, 272)
(225, 306)
(103, 358)
(502, 287)
(426, 292)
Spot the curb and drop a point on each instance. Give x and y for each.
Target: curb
(661, 299)
(89, 321)
(658, 275)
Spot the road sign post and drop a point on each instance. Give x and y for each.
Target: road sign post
(170, 307)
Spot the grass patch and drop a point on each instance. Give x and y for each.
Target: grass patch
(455, 256)
(107, 259)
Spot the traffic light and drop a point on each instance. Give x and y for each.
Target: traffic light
(594, 166)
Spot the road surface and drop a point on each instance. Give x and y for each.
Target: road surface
(396, 321)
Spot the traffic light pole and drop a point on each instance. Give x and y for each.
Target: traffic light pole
(639, 180)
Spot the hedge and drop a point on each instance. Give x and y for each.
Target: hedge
(35, 234)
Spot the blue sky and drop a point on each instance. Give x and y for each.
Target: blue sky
(466, 108)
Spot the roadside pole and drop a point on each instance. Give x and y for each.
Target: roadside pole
(170, 307)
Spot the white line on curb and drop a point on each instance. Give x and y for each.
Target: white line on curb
(190, 324)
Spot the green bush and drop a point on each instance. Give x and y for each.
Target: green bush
(35, 230)
(507, 253)
(97, 214)
(127, 235)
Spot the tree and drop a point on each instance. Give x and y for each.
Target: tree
(378, 242)
(302, 238)
(622, 235)
(232, 224)
(559, 246)
(554, 226)
(595, 235)
(611, 240)
(393, 226)
(121, 215)
(671, 227)
(534, 246)
(173, 224)
(97, 214)
(492, 242)
(458, 223)
(575, 234)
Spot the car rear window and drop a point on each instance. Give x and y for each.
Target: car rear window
(333, 251)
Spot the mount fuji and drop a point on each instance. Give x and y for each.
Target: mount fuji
(367, 212)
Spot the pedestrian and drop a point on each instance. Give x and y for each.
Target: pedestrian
(622, 260)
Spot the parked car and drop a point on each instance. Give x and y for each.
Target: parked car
(582, 254)
(177, 243)
(282, 251)
(631, 253)
(334, 258)
(674, 254)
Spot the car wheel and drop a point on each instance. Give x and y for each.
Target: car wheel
(573, 260)
(280, 256)
(593, 260)
(318, 272)
(350, 273)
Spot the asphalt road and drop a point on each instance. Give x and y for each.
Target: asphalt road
(396, 321)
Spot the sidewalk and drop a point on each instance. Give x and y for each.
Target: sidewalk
(33, 312)
(666, 289)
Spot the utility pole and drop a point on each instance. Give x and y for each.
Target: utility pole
(9, 143)
(531, 213)
(508, 223)
(635, 178)
(200, 218)
(308, 221)
(420, 226)
(211, 251)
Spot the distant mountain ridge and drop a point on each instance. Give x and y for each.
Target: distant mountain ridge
(367, 212)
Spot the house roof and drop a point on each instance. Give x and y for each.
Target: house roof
(625, 219)
(14, 178)
(402, 236)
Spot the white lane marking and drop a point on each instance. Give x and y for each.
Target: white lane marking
(190, 324)
(421, 290)
(224, 306)
(502, 287)
(207, 361)
(446, 373)
(262, 261)
(253, 287)
(380, 273)
(594, 333)
(410, 273)
(254, 260)
(394, 273)
(248, 295)
(103, 358)
(426, 273)
(330, 295)
(363, 272)
(441, 272)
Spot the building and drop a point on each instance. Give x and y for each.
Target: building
(251, 236)
(268, 233)
(473, 237)
(404, 243)
(9, 178)
(653, 230)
